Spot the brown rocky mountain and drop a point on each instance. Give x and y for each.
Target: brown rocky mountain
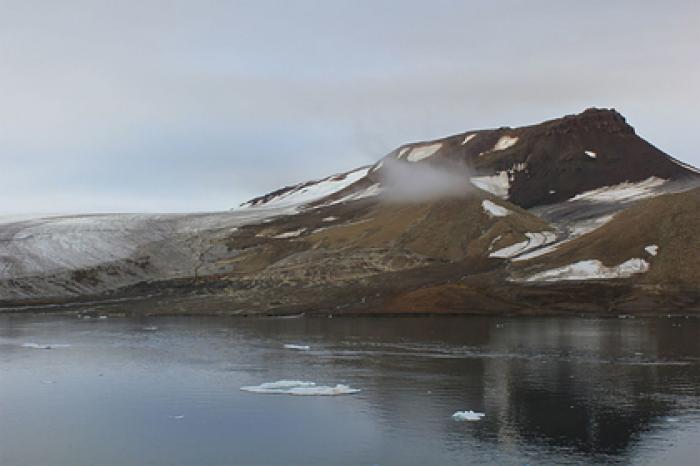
(577, 214)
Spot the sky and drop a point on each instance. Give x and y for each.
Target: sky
(177, 106)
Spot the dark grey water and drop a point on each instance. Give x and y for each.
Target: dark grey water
(553, 390)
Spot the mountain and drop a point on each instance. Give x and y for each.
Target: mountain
(576, 214)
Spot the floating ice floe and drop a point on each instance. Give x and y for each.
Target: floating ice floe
(652, 249)
(45, 346)
(591, 270)
(467, 416)
(493, 209)
(591, 154)
(177, 416)
(534, 240)
(297, 387)
(297, 347)
(623, 192)
(149, 329)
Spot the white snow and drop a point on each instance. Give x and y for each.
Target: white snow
(467, 416)
(423, 152)
(591, 154)
(623, 192)
(503, 143)
(576, 230)
(534, 240)
(45, 346)
(329, 219)
(297, 387)
(652, 249)
(493, 209)
(374, 190)
(297, 347)
(497, 184)
(316, 190)
(591, 270)
(290, 234)
(403, 151)
(468, 138)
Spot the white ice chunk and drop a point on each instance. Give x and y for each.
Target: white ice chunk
(45, 346)
(297, 387)
(297, 347)
(623, 192)
(468, 138)
(652, 249)
(467, 416)
(330, 219)
(591, 270)
(591, 154)
(493, 209)
(423, 152)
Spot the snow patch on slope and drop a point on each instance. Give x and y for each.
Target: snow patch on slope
(623, 192)
(652, 249)
(493, 209)
(591, 270)
(423, 152)
(497, 184)
(534, 240)
(468, 138)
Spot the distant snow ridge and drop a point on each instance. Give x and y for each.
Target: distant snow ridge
(303, 194)
(591, 270)
(623, 192)
(467, 416)
(493, 209)
(299, 388)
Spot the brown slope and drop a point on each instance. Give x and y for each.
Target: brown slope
(671, 222)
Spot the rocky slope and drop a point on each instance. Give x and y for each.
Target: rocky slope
(577, 214)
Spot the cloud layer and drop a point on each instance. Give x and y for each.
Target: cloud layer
(178, 106)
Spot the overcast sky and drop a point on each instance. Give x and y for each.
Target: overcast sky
(198, 105)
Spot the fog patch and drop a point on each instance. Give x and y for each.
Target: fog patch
(416, 182)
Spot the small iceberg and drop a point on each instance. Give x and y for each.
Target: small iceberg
(297, 387)
(150, 329)
(467, 416)
(43, 346)
(297, 347)
(177, 417)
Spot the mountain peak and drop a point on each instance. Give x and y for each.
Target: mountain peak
(590, 120)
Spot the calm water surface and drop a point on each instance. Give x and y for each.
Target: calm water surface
(553, 390)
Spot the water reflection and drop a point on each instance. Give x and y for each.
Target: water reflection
(553, 389)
